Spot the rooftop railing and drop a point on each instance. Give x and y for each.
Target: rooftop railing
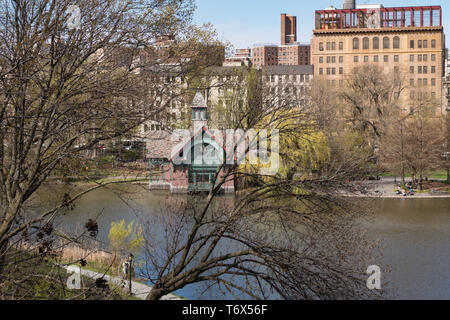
(400, 17)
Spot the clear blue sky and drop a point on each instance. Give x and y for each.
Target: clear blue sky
(246, 22)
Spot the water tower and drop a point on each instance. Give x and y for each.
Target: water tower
(349, 4)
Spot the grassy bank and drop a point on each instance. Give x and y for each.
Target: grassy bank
(37, 278)
(432, 175)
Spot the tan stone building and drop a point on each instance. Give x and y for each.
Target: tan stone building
(446, 83)
(408, 41)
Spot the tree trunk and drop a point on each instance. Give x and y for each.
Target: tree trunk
(156, 294)
(3, 256)
(448, 174)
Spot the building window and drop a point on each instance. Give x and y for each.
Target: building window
(419, 70)
(425, 82)
(396, 58)
(328, 59)
(433, 57)
(333, 59)
(341, 59)
(433, 82)
(355, 44)
(411, 44)
(366, 44)
(433, 43)
(376, 43)
(385, 43)
(375, 58)
(333, 46)
(341, 70)
(366, 58)
(320, 59)
(425, 44)
(411, 58)
(328, 46)
(425, 69)
(328, 71)
(425, 57)
(411, 82)
(386, 58)
(321, 46)
(341, 46)
(419, 58)
(433, 69)
(411, 69)
(321, 71)
(333, 71)
(355, 59)
(419, 44)
(396, 43)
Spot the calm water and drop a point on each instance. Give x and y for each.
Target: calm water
(416, 238)
(415, 234)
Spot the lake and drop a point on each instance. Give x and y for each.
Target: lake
(415, 234)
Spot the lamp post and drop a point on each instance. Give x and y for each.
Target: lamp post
(130, 268)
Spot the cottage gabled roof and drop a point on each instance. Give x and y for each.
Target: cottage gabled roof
(199, 101)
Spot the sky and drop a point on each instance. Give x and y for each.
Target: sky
(247, 22)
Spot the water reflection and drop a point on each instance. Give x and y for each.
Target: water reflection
(415, 234)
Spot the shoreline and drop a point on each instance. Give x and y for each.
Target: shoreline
(385, 189)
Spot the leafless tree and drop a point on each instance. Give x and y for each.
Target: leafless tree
(413, 142)
(67, 86)
(371, 98)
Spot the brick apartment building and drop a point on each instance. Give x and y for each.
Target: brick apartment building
(290, 52)
(288, 29)
(405, 40)
(242, 57)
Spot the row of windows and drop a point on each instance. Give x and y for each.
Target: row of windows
(386, 43)
(376, 58)
(331, 46)
(376, 43)
(420, 95)
(330, 71)
(423, 81)
(331, 59)
(422, 57)
(422, 69)
(293, 78)
(422, 44)
(289, 90)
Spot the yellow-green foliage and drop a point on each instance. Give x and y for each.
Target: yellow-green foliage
(303, 148)
(304, 152)
(125, 239)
